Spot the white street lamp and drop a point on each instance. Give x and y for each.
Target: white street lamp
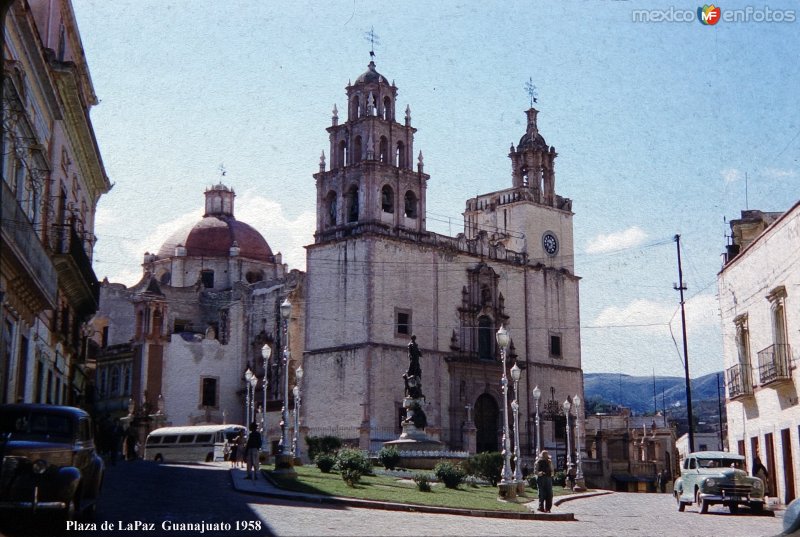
(286, 311)
(253, 384)
(266, 352)
(537, 393)
(566, 406)
(515, 375)
(503, 340)
(298, 375)
(576, 402)
(248, 375)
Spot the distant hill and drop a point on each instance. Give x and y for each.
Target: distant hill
(605, 390)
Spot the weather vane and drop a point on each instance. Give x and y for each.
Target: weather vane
(531, 89)
(222, 170)
(373, 40)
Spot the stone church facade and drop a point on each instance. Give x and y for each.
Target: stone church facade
(376, 275)
(178, 343)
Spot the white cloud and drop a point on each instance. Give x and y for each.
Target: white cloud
(731, 175)
(778, 173)
(702, 311)
(643, 313)
(628, 238)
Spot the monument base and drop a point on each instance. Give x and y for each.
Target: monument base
(284, 465)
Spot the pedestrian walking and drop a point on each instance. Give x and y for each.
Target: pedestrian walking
(570, 477)
(543, 468)
(234, 449)
(253, 446)
(760, 471)
(241, 452)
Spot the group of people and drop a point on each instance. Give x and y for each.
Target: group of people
(238, 451)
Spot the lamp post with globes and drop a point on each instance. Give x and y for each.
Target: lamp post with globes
(566, 406)
(579, 486)
(253, 384)
(298, 375)
(507, 487)
(515, 375)
(537, 393)
(286, 311)
(248, 376)
(266, 352)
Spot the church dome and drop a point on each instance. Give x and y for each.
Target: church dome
(532, 140)
(371, 75)
(218, 231)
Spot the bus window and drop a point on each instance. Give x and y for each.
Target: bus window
(186, 439)
(203, 438)
(153, 439)
(170, 439)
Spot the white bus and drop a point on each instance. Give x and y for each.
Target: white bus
(190, 443)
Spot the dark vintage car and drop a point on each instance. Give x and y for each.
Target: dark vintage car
(49, 462)
(717, 477)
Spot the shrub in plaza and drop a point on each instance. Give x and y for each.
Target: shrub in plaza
(389, 457)
(352, 464)
(423, 482)
(325, 462)
(559, 479)
(487, 465)
(322, 444)
(448, 473)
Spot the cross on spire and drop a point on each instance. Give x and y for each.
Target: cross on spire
(531, 89)
(373, 40)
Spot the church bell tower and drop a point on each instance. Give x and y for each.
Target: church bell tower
(370, 185)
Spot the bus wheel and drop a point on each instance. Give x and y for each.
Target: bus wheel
(158, 458)
(210, 457)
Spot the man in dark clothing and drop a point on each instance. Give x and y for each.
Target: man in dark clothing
(543, 468)
(252, 448)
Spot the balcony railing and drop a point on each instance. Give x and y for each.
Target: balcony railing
(773, 363)
(739, 381)
(76, 276)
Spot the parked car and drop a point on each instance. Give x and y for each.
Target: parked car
(717, 477)
(49, 462)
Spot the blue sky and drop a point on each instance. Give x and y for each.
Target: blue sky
(657, 125)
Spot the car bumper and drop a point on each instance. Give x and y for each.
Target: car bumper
(730, 498)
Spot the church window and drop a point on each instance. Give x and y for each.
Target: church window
(384, 150)
(555, 345)
(402, 322)
(357, 150)
(208, 396)
(207, 277)
(352, 204)
(355, 107)
(127, 378)
(400, 155)
(331, 202)
(113, 389)
(387, 108)
(485, 337)
(411, 204)
(387, 199)
(254, 276)
(342, 156)
(217, 208)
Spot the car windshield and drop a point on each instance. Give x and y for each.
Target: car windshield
(35, 425)
(721, 463)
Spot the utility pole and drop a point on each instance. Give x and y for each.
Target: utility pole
(680, 287)
(719, 405)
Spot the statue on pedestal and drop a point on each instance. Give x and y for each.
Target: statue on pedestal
(413, 386)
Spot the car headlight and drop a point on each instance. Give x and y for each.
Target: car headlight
(758, 485)
(710, 482)
(39, 467)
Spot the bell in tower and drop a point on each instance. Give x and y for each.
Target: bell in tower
(371, 179)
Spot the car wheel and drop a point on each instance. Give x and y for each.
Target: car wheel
(757, 507)
(681, 504)
(701, 503)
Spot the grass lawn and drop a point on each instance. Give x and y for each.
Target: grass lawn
(391, 489)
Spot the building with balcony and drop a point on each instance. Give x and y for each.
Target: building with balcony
(52, 179)
(759, 294)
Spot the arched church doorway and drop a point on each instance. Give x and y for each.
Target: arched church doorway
(487, 422)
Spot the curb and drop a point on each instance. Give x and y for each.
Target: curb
(392, 506)
(558, 500)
